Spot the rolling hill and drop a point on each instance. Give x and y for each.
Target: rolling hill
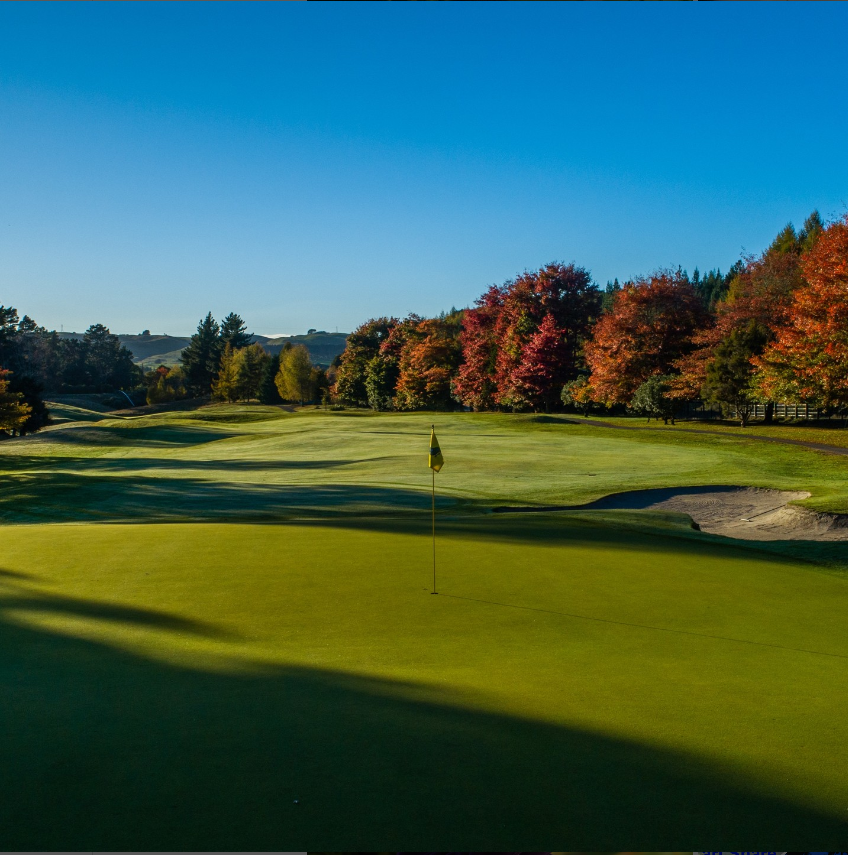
(150, 351)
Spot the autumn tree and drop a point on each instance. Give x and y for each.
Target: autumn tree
(808, 360)
(427, 364)
(165, 384)
(225, 385)
(475, 383)
(295, 379)
(649, 328)
(13, 411)
(578, 394)
(500, 328)
(760, 291)
(538, 380)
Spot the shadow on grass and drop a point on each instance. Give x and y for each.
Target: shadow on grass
(19, 464)
(59, 496)
(103, 749)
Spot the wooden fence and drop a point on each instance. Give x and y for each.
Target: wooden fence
(801, 412)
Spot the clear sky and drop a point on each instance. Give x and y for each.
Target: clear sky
(316, 164)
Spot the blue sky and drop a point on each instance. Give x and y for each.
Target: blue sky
(313, 165)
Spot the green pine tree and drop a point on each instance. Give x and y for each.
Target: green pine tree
(234, 332)
(268, 392)
(202, 357)
(730, 374)
(250, 364)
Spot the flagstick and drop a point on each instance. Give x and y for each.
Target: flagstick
(434, 591)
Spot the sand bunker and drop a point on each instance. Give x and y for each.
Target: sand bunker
(743, 512)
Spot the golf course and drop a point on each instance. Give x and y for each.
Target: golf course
(217, 632)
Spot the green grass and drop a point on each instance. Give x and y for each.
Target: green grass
(584, 680)
(799, 431)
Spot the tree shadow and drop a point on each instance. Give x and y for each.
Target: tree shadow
(159, 436)
(19, 464)
(106, 497)
(59, 496)
(105, 749)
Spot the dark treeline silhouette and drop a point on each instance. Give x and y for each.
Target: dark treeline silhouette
(37, 361)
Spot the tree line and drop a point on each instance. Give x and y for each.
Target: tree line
(221, 361)
(35, 361)
(773, 329)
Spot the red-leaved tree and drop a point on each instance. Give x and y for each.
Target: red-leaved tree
(499, 345)
(537, 381)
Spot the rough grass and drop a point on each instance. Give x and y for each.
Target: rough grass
(608, 680)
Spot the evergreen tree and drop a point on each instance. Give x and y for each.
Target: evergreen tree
(8, 335)
(730, 374)
(201, 358)
(608, 296)
(268, 392)
(813, 227)
(109, 365)
(234, 332)
(250, 364)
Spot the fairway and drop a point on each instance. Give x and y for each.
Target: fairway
(217, 633)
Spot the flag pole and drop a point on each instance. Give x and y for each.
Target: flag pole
(433, 473)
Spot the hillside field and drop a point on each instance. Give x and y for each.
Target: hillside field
(217, 632)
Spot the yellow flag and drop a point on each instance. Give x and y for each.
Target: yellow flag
(435, 461)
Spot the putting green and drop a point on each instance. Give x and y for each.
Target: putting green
(603, 680)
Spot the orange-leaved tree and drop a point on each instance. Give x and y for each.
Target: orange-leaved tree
(427, 364)
(808, 360)
(759, 293)
(648, 329)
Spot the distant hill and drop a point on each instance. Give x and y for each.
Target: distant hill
(150, 351)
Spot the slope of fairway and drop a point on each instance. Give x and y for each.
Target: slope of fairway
(257, 686)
